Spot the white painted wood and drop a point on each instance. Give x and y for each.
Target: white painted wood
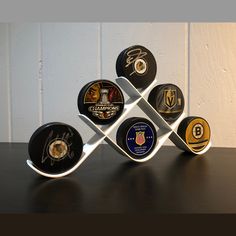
(213, 79)
(70, 60)
(167, 41)
(24, 75)
(4, 85)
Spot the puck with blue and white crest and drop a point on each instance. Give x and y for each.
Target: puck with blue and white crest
(137, 136)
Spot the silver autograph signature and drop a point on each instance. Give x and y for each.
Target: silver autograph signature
(134, 55)
(64, 137)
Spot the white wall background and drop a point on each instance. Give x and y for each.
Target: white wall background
(44, 66)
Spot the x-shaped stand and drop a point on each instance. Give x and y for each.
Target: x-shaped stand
(102, 133)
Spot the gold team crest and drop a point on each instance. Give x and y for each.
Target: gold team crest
(140, 138)
(170, 98)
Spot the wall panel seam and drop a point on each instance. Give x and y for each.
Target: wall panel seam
(9, 89)
(40, 76)
(100, 51)
(188, 66)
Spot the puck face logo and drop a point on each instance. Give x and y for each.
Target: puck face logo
(102, 101)
(140, 139)
(198, 131)
(168, 101)
(170, 98)
(135, 58)
(138, 65)
(197, 134)
(55, 147)
(58, 149)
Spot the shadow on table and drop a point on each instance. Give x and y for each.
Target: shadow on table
(55, 195)
(139, 188)
(132, 187)
(187, 179)
(128, 188)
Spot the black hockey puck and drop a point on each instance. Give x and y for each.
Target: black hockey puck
(138, 65)
(102, 101)
(168, 101)
(195, 131)
(55, 147)
(137, 136)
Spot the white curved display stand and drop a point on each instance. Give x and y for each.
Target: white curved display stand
(136, 97)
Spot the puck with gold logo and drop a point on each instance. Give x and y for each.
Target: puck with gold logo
(102, 101)
(168, 101)
(195, 131)
(137, 136)
(138, 65)
(55, 147)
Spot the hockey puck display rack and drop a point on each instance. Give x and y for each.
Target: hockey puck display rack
(137, 98)
(102, 132)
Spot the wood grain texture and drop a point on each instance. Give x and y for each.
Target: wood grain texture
(70, 60)
(24, 77)
(167, 41)
(213, 79)
(4, 85)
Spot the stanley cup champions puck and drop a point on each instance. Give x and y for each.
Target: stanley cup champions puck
(137, 136)
(168, 101)
(138, 65)
(102, 101)
(55, 147)
(195, 131)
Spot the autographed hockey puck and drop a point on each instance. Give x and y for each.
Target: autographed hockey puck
(55, 147)
(138, 65)
(137, 136)
(195, 131)
(102, 101)
(168, 101)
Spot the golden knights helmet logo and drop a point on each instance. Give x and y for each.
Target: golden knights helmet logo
(170, 98)
(140, 138)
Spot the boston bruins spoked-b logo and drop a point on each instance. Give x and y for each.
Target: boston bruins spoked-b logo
(195, 131)
(198, 131)
(102, 101)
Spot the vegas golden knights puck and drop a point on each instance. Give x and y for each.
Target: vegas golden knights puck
(55, 147)
(102, 101)
(137, 136)
(195, 131)
(138, 65)
(168, 101)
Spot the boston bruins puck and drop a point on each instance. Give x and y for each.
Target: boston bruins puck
(138, 65)
(102, 101)
(55, 147)
(137, 136)
(168, 101)
(195, 131)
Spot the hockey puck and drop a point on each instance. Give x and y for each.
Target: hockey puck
(138, 65)
(168, 101)
(137, 136)
(195, 131)
(55, 147)
(102, 101)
